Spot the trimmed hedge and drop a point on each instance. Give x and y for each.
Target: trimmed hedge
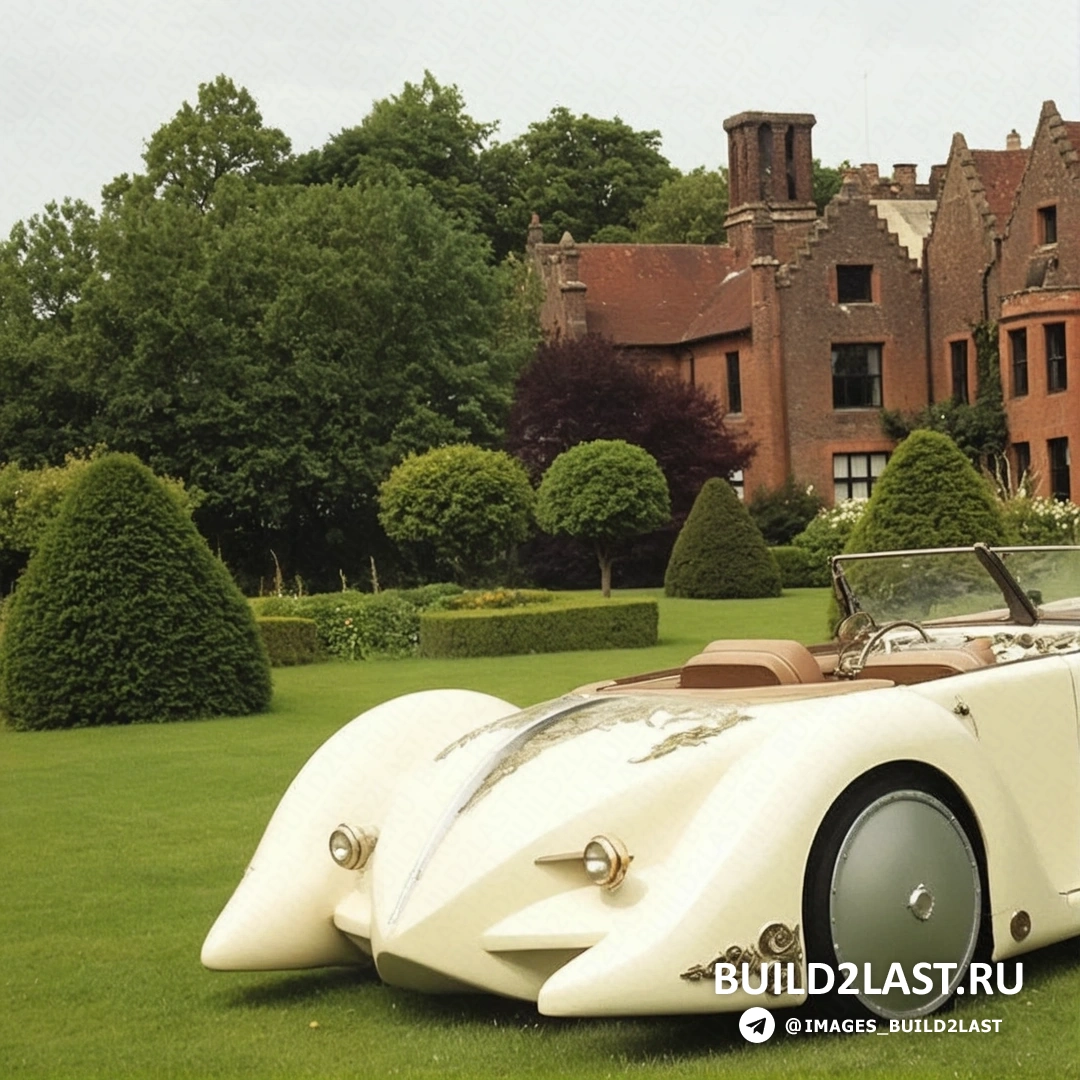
(799, 569)
(928, 496)
(289, 640)
(561, 626)
(125, 616)
(720, 553)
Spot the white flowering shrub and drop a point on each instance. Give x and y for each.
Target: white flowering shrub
(827, 534)
(1038, 520)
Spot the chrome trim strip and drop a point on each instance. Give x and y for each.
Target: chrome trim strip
(469, 788)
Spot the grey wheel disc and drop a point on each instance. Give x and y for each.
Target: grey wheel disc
(905, 890)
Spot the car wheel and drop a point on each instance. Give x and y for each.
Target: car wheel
(894, 878)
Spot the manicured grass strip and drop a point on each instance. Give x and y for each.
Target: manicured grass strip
(120, 845)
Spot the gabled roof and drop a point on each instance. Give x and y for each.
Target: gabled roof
(1000, 172)
(649, 294)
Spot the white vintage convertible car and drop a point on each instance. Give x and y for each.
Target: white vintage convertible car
(901, 805)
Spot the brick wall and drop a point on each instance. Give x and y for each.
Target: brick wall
(813, 320)
(957, 253)
(1041, 287)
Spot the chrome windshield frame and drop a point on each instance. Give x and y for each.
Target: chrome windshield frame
(1022, 609)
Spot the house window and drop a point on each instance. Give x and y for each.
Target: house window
(1022, 461)
(737, 483)
(1018, 356)
(1058, 450)
(1056, 376)
(853, 284)
(958, 353)
(856, 376)
(1048, 225)
(854, 475)
(734, 383)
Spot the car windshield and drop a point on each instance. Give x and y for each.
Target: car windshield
(1049, 576)
(960, 584)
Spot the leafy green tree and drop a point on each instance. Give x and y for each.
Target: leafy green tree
(783, 512)
(424, 136)
(221, 135)
(282, 356)
(604, 493)
(460, 505)
(720, 553)
(687, 209)
(124, 615)
(45, 266)
(928, 496)
(579, 173)
(577, 391)
(827, 182)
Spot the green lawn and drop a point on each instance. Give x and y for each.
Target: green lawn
(120, 845)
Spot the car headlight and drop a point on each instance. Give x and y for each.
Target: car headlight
(606, 861)
(351, 847)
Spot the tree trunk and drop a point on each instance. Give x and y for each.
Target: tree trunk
(605, 571)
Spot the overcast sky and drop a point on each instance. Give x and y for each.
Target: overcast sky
(84, 82)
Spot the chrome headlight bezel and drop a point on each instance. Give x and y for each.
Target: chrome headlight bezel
(351, 846)
(606, 861)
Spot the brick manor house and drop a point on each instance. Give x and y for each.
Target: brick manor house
(806, 327)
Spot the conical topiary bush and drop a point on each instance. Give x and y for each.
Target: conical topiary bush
(720, 553)
(124, 616)
(928, 496)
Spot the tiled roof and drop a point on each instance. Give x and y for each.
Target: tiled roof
(649, 294)
(1000, 172)
(726, 311)
(1072, 129)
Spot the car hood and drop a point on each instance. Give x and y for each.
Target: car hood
(457, 854)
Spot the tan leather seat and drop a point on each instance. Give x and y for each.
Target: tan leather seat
(742, 662)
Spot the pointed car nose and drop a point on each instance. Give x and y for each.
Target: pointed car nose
(281, 917)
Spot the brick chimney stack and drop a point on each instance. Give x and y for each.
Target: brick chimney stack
(770, 183)
(904, 180)
(1012, 141)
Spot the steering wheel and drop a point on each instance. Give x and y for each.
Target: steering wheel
(875, 639)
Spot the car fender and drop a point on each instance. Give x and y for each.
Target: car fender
(737, 870)
(280, 916)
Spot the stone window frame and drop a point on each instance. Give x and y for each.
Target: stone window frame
(1047, 224)
(853, 389)
(734, 382)
(958, 366)
(1057, 452)
(1018, 362)
(854, 283)
(1057, 370)
(856, 472)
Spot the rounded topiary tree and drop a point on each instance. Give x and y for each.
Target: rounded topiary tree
(928, 496)
(720, 553)
(462, 505)
(123, 614)
(604, 493)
